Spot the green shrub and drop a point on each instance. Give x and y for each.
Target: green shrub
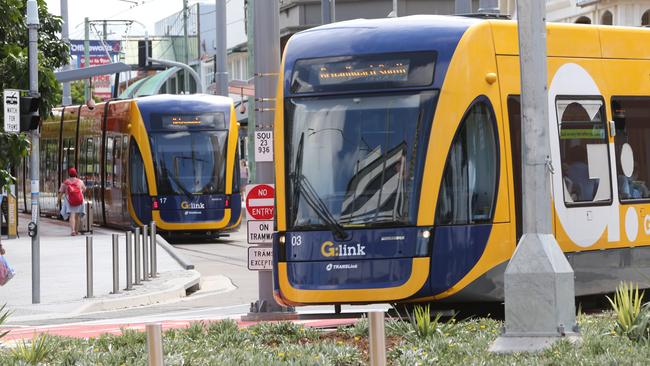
(4, 315)
(632, 317)
(35, 351)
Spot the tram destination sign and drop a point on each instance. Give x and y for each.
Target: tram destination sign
(260, 259)
(11, 110)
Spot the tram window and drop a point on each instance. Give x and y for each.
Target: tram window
(137, 177)
(109, 161)
(468, 189)
(117, 161)
(89, 156)
(583, 151)
(632, 152)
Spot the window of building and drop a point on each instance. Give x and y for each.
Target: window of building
(631, 118)
(645, 19)
(468, 190)
(607, 18)
(583, 20)
(583, 151)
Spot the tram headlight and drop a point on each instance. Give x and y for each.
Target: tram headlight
(423, 243)
(282, 239)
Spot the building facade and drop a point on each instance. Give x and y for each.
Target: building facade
(634, 13)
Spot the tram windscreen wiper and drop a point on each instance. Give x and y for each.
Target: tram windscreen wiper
(302, 186)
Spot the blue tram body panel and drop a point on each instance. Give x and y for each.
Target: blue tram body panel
(456, 249)
(349, 274)
(196, 209)
(361, 245)
(142, 207)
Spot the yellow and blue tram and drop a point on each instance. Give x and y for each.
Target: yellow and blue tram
(171, 159)
(398, 159)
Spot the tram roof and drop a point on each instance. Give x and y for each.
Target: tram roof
(387, 35)
(182, 104)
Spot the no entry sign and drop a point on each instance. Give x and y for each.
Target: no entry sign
(260, 201)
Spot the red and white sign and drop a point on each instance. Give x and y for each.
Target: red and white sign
(260, 201)
(102, 83)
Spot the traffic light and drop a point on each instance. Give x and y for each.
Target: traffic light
(29, 116)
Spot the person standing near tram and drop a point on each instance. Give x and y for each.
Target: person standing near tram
(72, 189)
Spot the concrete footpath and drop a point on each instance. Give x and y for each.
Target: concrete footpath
(63, 274)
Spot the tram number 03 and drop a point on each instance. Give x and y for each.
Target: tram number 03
(296, 241)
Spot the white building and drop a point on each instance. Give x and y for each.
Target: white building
(605, 12)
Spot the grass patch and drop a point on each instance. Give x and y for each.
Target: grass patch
(223, 343)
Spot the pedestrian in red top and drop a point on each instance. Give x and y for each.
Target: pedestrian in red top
(72, 189)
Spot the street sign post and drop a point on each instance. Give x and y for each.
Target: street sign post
(12, 110)
(260, 258)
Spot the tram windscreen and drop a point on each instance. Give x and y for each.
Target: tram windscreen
(356, 160)
(190, 163)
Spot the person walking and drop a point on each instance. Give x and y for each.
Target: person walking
(72, 189)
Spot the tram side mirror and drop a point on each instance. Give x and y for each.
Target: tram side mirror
(90, 103)
(242, 108)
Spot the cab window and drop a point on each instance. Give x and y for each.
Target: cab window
(468, 190)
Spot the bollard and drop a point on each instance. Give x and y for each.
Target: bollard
(129, 261)
(145, 253)
(377, 338)
(154, 254)
(89, 267)
(116, 264)
(154, 344)
(136, 245)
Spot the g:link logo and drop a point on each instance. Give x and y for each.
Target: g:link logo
(329, 249)
(192, 205)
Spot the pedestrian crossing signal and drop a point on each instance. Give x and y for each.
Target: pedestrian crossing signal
(29, 115)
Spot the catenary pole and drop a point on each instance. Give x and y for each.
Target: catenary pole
(222, 49)
(87, 90)
(266, 25)
(32, 25)
(65, 36)
(186, 77)
(539, 283)
(250, 151)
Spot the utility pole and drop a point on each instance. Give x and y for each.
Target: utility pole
(65, 36)
(32, 25)
(221, 69)
(87, 90)
(186, 77)
(326, 11)
(463, 7)
(266, 20)
(539, 283)
(250, 152)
